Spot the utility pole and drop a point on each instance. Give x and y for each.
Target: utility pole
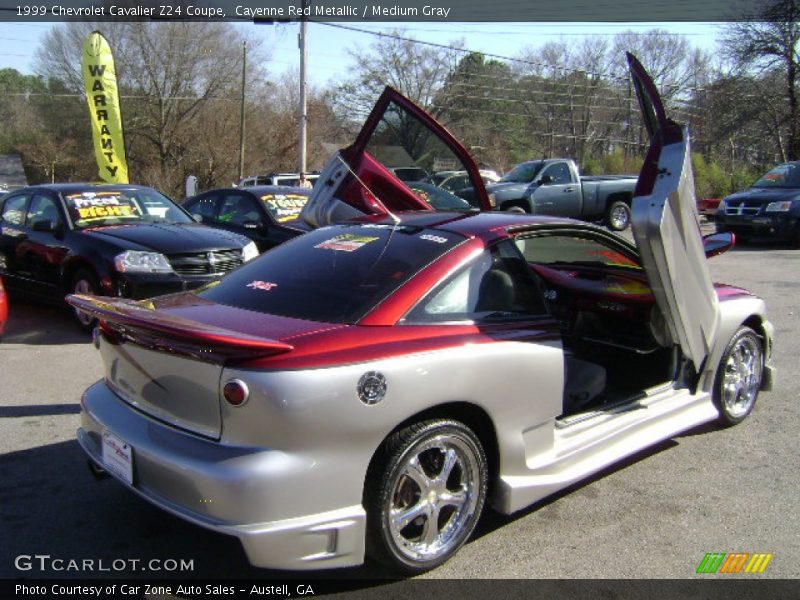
(303, 102)
(241, 112)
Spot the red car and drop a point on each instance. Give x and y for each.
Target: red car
(3, 308)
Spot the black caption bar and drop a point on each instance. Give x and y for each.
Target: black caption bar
(539, 11)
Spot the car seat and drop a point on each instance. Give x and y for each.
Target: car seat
(496, 292)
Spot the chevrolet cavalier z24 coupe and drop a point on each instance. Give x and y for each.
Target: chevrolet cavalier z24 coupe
(367, 388)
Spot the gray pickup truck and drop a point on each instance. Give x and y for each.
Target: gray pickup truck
(554, 187)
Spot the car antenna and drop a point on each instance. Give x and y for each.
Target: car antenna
(394, 217)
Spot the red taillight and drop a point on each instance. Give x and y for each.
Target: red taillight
(235, 392)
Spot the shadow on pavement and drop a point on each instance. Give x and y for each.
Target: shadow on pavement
(39, 410)
(39, 324)
(55, 507)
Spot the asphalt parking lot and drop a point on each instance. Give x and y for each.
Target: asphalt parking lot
(655, 516)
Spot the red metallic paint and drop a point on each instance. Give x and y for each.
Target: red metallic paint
(3, 307)
(373, 120)
(382, 188)
(191, 325)
(137, 321)
(391, 310)
(358, 344)
(729, 292)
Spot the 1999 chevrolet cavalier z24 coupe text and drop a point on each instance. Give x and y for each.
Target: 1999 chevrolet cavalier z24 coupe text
(368, 387)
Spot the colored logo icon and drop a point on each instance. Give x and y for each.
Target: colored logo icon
(735, 562)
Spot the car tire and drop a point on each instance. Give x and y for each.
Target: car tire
(618, 216)
(739, 376)
(84, 282)
(795, 241)
(424, 495)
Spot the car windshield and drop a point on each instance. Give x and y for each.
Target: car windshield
(785, 176)
(101, 207)
(523, 173)
(334, 274)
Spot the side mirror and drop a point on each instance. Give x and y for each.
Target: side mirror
(718, 243)
(546, 180)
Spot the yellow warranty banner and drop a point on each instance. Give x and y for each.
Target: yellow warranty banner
(100, 82)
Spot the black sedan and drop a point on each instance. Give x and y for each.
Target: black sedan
(267, 214)
(114, 240)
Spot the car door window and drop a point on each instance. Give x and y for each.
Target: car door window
(204, 206)
(559, 173)
(494, 287)
(43, 208)
(14, 210)
(238, 209)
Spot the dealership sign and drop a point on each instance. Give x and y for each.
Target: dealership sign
(100, 82)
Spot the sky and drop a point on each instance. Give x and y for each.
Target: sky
(328, 59)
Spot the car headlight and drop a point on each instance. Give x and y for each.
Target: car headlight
(781, 206)
(134, 261)
(249, 252)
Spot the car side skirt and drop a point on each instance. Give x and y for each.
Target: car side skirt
(588, 446)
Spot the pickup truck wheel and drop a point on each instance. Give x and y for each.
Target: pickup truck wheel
(796, 237)
(84, 282)
(739, 376)
(618, 216)
(424, 494)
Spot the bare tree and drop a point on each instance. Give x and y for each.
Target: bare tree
(168, 73)
(766, 40)
(416, 70)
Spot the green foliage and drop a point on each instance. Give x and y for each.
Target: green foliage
(710, 179)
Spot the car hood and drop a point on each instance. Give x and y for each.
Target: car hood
(168, 238)
(504, 188)
(764, 195)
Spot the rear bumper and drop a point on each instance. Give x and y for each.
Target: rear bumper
(233, 490)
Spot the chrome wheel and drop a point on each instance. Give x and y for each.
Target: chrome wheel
(84, 283)
(83, 287)
(619, 216)
(430, 496)
(433, 497)
(739, 379)
(742, 377)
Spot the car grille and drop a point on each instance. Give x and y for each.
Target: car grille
(743, 207)
(215, 262)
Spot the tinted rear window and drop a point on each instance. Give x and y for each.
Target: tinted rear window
(334, 274)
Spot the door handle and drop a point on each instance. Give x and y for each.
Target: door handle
(569, 190)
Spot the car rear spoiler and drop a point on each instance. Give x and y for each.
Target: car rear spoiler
(140, 322)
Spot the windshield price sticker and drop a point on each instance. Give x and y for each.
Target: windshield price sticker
(96, 206)
(347, 242)
(285, 207)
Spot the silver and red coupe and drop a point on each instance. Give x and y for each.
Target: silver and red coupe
(367, 388)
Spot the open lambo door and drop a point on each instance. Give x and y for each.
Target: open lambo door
(392, 166)
(666, 228)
